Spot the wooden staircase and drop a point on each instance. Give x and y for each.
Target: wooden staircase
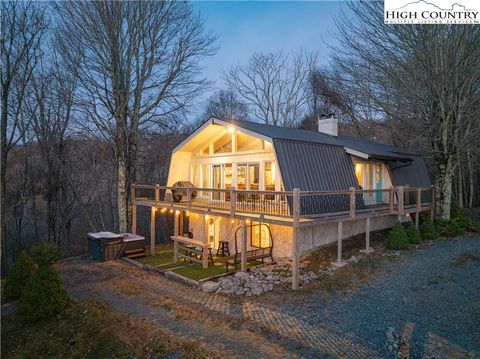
(135, 253)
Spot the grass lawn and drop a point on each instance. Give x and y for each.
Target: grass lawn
(196, 272)
(88, 330)
(163, 260)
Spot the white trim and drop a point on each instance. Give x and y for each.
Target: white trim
(213, 121)
(357, 153)
(241, 129)
(197, 131)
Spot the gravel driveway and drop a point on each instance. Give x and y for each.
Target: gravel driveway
(431, 297)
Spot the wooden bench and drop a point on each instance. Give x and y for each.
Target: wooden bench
(252, 255)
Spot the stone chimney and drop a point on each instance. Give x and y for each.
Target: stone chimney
(328, 124)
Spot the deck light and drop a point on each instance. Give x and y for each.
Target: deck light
(231, 129)
(171, 211)
(248, 221)
(232, 221)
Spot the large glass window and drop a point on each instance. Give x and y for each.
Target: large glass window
(270, 176)
(260, 235)
(254, 177)
(248, 143)
(223, 144)
(217, 180)
(242, 177)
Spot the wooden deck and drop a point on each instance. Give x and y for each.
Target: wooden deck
(276, 207)
(295, 209)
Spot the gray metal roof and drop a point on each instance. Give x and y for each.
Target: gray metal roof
(374, 149)
(316, 167)
(314, 161)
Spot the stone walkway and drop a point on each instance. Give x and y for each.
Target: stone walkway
(243, 327)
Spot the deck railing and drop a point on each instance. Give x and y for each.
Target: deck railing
(312, 204)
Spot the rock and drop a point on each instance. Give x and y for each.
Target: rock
(209, 286)
(243, 276)
(257, 290)
(239, 292)
(312, 275)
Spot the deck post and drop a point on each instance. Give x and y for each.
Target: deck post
(295, 238)
(189, 198)
(233, 201)
(243, 265)
(152, 230)
(367, 236)
(339, 243)
(205, 241)
(391, 200)
(352, 202)
(134, 209)
(401, 202)
(175, 233)
(157, 194)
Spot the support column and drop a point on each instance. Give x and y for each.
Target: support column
(339, 262)
(295, 237)
(367, 249)
(401, 202)
(205, 241)
(418, 206)
(243, 246)
(152, 230)
(339, 242)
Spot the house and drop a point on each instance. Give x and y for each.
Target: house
(255, 185)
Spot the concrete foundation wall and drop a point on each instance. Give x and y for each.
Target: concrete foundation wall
(310, 237)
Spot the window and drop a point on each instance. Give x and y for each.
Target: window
(260, 235)
(248, 143)
(223, 144)
(242, 177)
(254, 177)
(269, 176)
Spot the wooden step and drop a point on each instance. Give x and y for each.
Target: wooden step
(133, 251)
(136, 255)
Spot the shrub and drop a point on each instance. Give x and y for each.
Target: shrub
(449, 228)
(44, 295)
(428, 231)
(397, 238)
(46, 253)
(18, 276)
(413, 234)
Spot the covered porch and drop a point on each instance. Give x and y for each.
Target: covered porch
(302, 210)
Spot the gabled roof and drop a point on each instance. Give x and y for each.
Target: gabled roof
(362, 147)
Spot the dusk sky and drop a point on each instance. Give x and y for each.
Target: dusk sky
(267, 26)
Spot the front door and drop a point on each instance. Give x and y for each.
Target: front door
(378, 181)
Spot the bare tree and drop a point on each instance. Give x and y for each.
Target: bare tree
(423, 77)
(274, 86)
(23, 27)
(225, 104)
(137, 65)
